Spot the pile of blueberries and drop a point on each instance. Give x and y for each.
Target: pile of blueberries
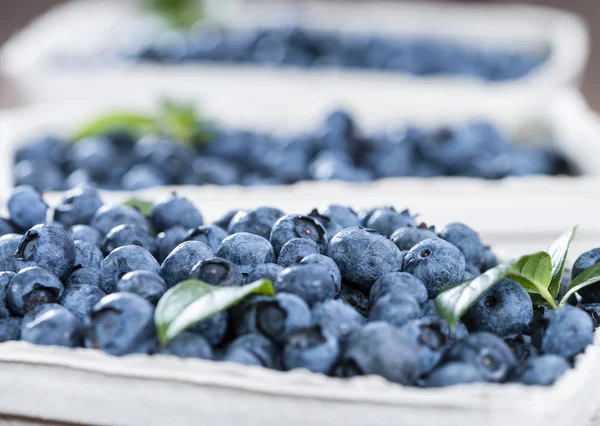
(308, 48)
(354, 291)
(335, 151)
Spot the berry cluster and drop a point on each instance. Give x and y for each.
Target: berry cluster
(354, 291)
(306, 48)
(336, 150)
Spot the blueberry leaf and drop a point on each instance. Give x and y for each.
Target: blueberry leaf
(588, 277)
(177, 13)
(193, 301)
(132, 122)
(534, 273)
(558, 252)
(455, 300)
(180, 121)
(143, 206)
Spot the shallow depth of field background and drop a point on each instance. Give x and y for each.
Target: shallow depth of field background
(16, 13)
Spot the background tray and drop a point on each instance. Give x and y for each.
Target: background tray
(89, 26)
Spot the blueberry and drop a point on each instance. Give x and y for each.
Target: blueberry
(224, 221)
(435, 262)
(453, 373)
(504, 309)
(354, 298)
(589, 294)
(253, 349)
(311, 282)
(6, 227)
(295, 250)
(49, 247)
(395, 308)
(466, 240)
(87, 255)
(312, 349)
(489, 260)
(142, 176)
(10, 329)
(168, 240)
(543, 370)
(121, 324)
(47, 147)
(395, 282)
(363, 256)
(430, 338)
(123, 260)
(521, 346)
(337, 318)
(345, 216)
(259, 221)
(93, 154)
(387, 220)
(170, 157)
(146, 284)
(217, 271)
(243, 315)
(246, 250)
(88, 234)
(32, 287)
(84, 276)
(407, 237)
(26, 207)
(211, 235)
(585, 261)
(340, 121)
(297, 226)
(78, 206)
(592, 309)
(40, 174)
(331, 226)
(126, 235)
(107, 217)
(269, 271)
(77, 178)
(486, 352)
(214, 328)
(56, 327)
(8, 246)
(5, 278)
(569, 330)
(383, 349)
(280, 316)
(212, 170)
(80, 299)
(329, 264)
(175, 211)
(188, 345)
(178, 265)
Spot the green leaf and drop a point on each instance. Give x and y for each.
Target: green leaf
(144, 207)
(133, 122)
(588, 277)
(455, 300)
(193, 301)
(558, 252)
(181, 121)
(181, 14)
(534, 272)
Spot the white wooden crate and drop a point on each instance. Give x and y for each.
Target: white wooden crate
(515, 215)
(89, 26)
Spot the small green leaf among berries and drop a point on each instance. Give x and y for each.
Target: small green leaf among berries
(193, 301)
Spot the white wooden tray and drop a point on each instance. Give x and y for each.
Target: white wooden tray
(62, 386)
(89, 26)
